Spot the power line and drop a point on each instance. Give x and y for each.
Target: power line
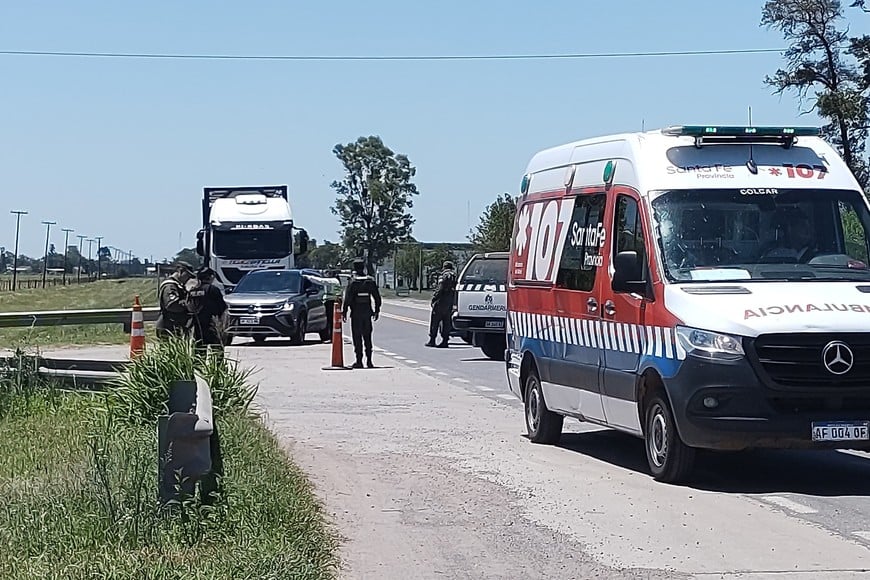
(443, 57)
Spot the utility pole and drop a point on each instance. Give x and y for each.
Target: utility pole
(81, 243)
(18, 215)
(90, 254)
(45, 256)
(99, 258)
(65, 251)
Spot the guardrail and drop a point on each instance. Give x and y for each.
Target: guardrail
(74, 372)
(75, 317)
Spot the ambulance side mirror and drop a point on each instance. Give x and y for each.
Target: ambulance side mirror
(628, 274)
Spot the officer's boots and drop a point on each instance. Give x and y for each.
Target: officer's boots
(358, 364)
(369, 362)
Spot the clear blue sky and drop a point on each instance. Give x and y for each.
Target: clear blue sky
(122, 148)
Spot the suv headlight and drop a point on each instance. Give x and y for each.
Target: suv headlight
(711, 345)
(289, 306)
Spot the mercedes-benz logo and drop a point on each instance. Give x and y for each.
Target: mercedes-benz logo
(251, 308)
(838, 357)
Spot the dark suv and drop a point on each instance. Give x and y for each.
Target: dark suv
(279, 303)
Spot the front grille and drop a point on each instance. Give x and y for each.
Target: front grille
(795, 360)
(234, 275)
(795, 405)
(262, 309)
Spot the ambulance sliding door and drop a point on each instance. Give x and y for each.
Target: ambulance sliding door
(576, 375)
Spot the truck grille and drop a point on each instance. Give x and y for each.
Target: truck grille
(795, 360)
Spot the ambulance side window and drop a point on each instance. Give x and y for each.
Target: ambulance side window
(581, 255)
(628, 230)
(853, 232)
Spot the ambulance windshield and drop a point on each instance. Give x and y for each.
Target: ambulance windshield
(762, 234)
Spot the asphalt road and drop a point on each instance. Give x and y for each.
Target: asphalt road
(827, 489)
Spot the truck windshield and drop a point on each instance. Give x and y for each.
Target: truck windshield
(486, 271)
(762, 234)
(270, 281)
(249, 244)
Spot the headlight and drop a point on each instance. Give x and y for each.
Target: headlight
(712, 345)
(289, 306)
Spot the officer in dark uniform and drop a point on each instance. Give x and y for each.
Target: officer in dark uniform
(358, 298)
(207, 306)
(174, 319)
(442, 306)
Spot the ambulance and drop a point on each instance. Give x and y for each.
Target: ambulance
(699, 287)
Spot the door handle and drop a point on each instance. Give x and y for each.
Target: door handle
(592, 305)
(609, 308)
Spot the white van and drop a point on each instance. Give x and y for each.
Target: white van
(696, 286)
(481, 303)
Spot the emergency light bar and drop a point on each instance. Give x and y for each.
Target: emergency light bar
(704, 131)
(704, 134)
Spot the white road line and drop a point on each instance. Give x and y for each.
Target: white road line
(388, 353)
(377, 349)
(482, 388)
(505, 397)
(863, 535)
(443, 374)
(788, 504)
(410, 361)
(458, 380)
(425, 368)
(397, 357)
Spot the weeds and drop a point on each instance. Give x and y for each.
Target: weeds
(141, 393)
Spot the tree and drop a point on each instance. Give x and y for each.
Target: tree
(494, 232)
(373, 198)
(190, 256)
(328, 256)
(821, 57)
(407, 264)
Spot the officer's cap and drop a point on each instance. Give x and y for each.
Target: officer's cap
(205, 273)
(448, 265)
(182, 266)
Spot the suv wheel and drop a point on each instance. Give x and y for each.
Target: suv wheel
(301, 330)
(493, 346)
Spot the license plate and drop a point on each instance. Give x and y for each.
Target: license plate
(841, 431)
(494, 324)
(249, 320)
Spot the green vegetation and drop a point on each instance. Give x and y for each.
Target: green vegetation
(102, 294)
(78, 488)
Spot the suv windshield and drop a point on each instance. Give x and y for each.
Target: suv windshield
(486, 271)
(247, 244)
(764, 234)
(270, 281)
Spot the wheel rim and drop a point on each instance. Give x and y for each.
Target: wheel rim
(533, 405)
(657, 441)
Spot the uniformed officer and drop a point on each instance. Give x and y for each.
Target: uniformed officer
(174, 316)
(358, 298)
(207, 305)
(442, 306)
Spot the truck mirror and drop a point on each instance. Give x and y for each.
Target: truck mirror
(200, 246)
(627, 275)
(301, 245)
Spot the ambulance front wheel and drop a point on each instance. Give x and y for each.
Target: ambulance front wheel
(543, 425)
(670, 460)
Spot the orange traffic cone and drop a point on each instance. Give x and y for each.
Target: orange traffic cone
(337, 341)
(137, 330)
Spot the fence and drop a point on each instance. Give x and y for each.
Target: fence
(75, 317)
(35, 282)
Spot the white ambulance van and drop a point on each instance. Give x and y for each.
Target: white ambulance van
(481, 302)
(701, 287)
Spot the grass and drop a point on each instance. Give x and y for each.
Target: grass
(102, 294)
(78, 488)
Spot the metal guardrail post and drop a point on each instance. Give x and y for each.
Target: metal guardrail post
(188, 445)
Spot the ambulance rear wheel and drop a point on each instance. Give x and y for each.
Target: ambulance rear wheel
(543, 425)
(670, 460)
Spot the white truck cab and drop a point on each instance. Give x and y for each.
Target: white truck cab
(481, 303)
